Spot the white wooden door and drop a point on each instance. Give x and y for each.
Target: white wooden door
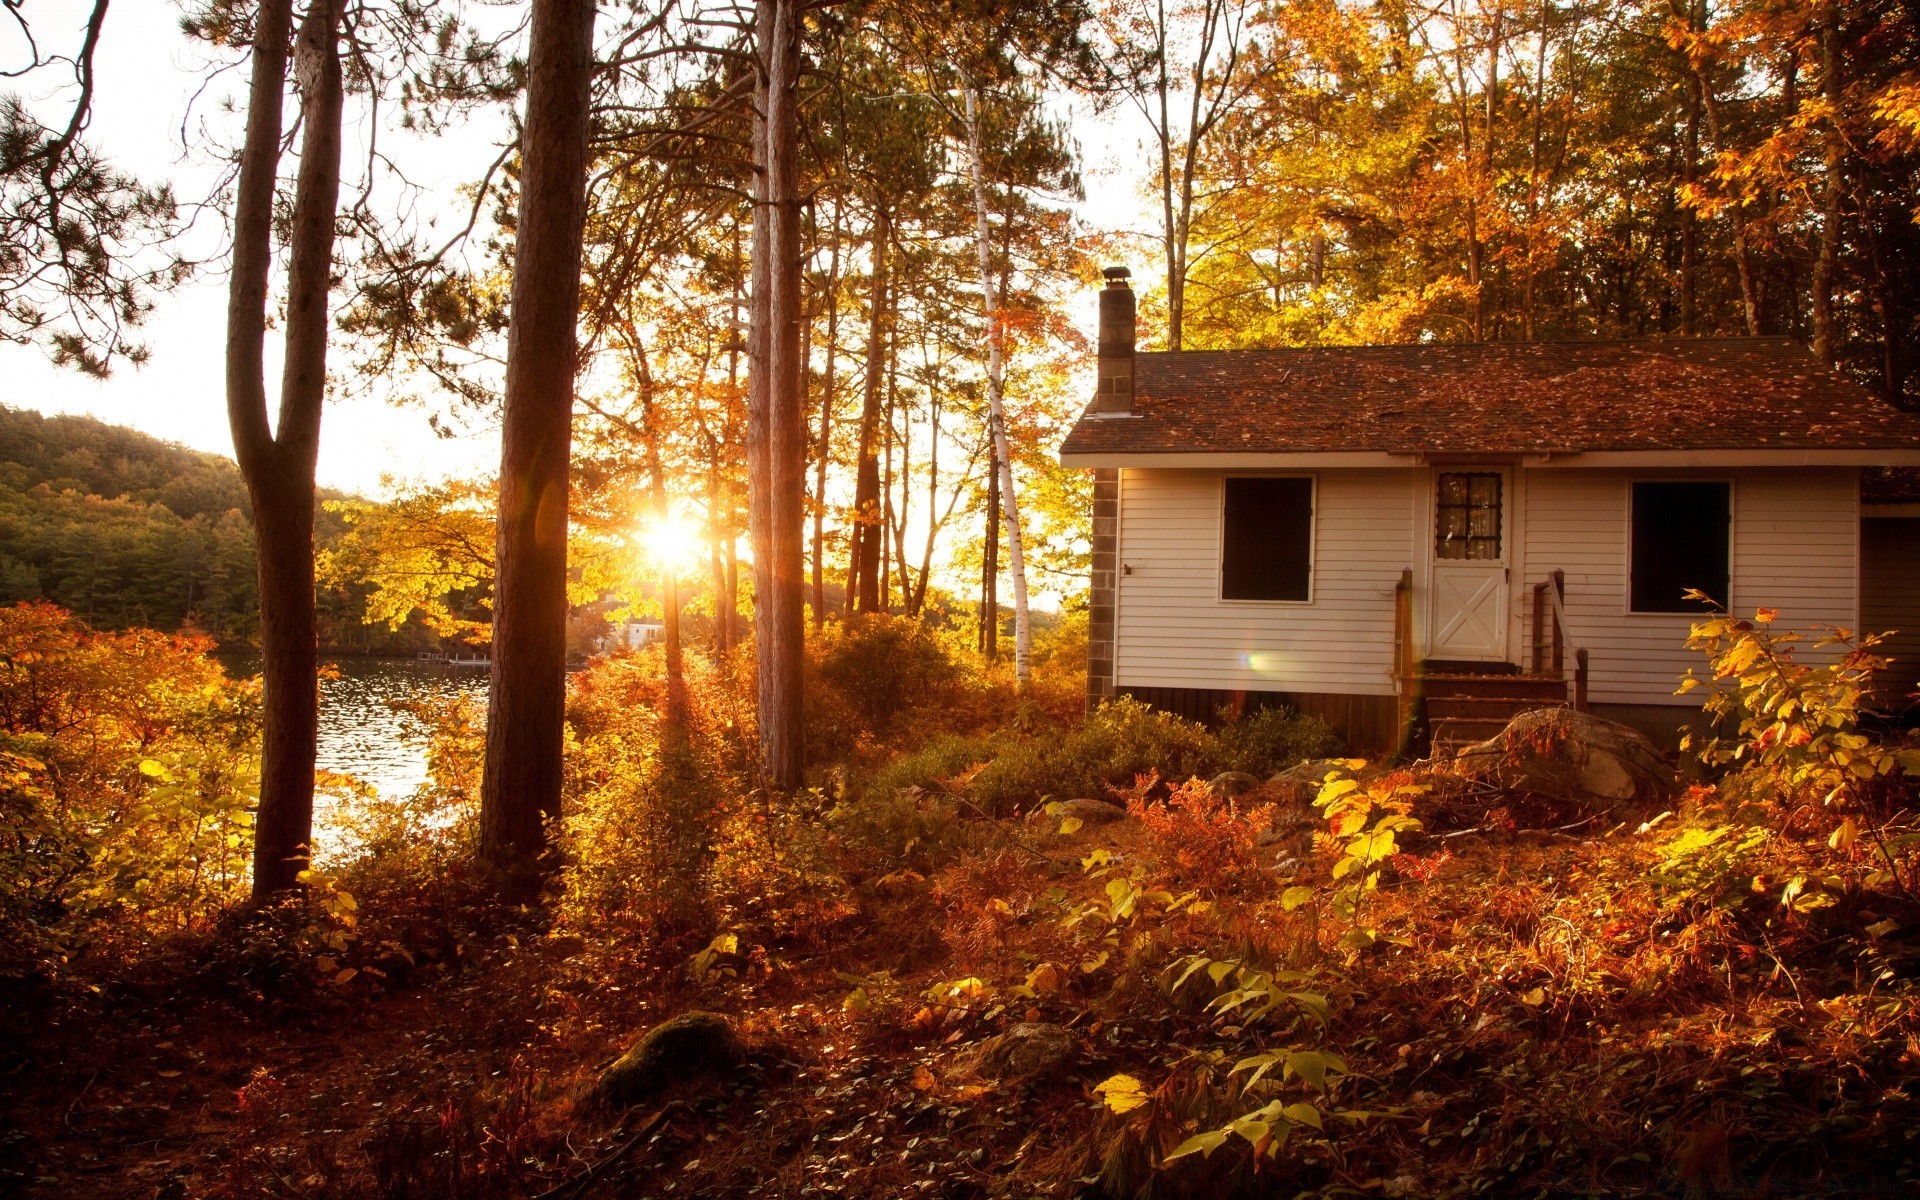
(1469, 583)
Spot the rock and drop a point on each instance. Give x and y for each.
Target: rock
(1029, 1050)
(1092, 812)
(1562, 754)
(690, 1044)
(1232, 783)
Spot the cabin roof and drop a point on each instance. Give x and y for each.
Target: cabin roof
(1704, 394)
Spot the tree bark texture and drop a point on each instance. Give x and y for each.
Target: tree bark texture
(1826, 262)
(776, 419)
(865, 564)
(520, 790)
(278, 462)
(824, 451)
(996, 405)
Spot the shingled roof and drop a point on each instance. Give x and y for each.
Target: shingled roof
(1496, 398)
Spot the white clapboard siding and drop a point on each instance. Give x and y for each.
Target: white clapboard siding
(1795, 546)
(1173, 630)
(1890, 600)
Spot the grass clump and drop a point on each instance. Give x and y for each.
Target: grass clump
(1012, 769)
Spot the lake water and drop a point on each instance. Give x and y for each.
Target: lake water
(362, 734)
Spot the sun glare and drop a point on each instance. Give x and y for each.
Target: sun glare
(672, 542)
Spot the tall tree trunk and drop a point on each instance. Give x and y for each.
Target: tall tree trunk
(996, 407)
(278, 463)
(1826, 264)
(520, 790)
(825, 447)
(865, 564)
(675, 714)
(1742, 249)
(919, 601)
(990, 562)
(1176, 270)
(776, 420)
(718, 521)
(896, 530)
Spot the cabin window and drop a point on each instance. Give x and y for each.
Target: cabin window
(1467, 515)
(1680, 541)
(1266, 550)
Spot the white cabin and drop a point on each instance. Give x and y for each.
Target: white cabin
(1417, 539)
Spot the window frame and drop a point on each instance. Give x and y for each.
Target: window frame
(1733, 544)
(1220, 538)
(1503, 501)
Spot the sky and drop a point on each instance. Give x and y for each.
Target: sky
(148, 75)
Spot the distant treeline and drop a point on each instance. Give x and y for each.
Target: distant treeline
(126, 531)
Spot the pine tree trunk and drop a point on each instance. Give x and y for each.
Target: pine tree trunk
(863, 559)
(278, 464)
(825, 448)
(520, 790)
(996, 408)
(1826, 263)
(776, 424)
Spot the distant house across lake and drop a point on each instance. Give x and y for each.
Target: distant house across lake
(1418, 540)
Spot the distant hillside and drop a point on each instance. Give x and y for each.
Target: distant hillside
(125, 530)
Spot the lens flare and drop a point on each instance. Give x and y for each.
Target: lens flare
(672, 542)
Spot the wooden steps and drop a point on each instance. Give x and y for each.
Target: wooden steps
(1466, 708)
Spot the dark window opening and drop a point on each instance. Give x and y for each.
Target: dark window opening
(1267, 550)
(1680, 542)
(1467, 516)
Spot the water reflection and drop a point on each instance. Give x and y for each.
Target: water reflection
(362, 734)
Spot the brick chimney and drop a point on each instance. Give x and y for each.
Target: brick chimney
(1117, 334)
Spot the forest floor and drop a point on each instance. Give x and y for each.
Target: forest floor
(1536, 1020)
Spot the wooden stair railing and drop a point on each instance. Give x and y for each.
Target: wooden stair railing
(1405, 666)
(1550, 638)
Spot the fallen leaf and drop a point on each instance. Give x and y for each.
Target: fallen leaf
(923, 1080)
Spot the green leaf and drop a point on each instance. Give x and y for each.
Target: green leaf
(1203, 1144)
(1314, 1066)
(1295, 896)
(1302, 1114)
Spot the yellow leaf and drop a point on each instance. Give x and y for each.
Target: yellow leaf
(1045, 978)
(1070, 825)
(1123, 1093)
(1845, 835)
(923, 1080)
(344, 977)
(1534, 998)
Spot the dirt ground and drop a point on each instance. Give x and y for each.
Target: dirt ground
(1535, 1022)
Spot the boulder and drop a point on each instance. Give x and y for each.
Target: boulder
(1029, 1050)
(690, 1044)
(1232, 783)
(1561, 754)
(1092, 812)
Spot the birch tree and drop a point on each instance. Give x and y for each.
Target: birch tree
(996, 398)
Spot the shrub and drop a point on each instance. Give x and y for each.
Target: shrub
(127, 771)
(1122, 739)
(1269, 740)
(868, 673)
(1207, 834)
